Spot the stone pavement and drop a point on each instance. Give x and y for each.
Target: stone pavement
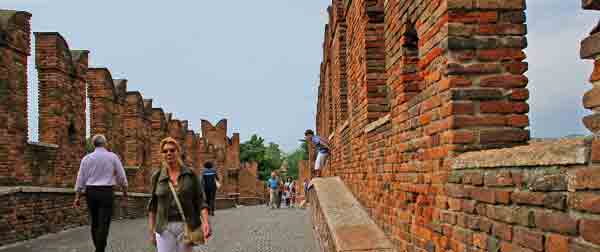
(244, 229)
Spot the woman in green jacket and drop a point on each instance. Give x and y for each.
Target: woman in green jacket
(166, 221)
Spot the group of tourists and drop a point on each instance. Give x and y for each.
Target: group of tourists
(281, 192)
(180, 203)
(287, 192)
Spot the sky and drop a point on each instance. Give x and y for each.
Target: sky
(256, 63)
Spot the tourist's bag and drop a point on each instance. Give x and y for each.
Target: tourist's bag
(192, 236)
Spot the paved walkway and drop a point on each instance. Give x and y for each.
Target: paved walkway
(245, 229)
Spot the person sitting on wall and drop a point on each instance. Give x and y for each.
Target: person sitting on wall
(322, 147)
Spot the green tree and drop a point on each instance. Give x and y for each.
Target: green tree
(300, 153)
(253, 149)
(89, 147)
(269, 157)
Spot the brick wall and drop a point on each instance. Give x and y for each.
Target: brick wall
(61, 74)
(538, 197)
(248, 186)
(422, 82)
(133, 127)
(14, 50)
(40, 163)
(34, 211)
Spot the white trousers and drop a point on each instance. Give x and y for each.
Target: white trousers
(171, 239)
(320, 162)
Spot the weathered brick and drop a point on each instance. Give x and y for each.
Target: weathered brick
(484, 195)
(575, 246)
(525, 217)
(498, 179)
(529, 239)
(591, 98)
(501, 4)
(590, 230)
(584, 178)
(502, 231)
(504, 81)
(528, 198)
(502, 213)
(556, 222)
(503, 136)
(583, 201)
(557, 243)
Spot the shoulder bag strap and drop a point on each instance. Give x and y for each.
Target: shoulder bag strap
(177, 201)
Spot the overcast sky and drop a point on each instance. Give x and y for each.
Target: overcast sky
(256, 63)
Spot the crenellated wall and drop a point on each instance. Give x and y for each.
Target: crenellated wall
(409, 87)
(133, 127)
(14, 49)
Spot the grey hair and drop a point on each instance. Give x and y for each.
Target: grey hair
(99, 140)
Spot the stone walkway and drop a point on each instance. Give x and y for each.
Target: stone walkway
(245, 229)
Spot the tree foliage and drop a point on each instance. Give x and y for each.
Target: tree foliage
(301, 153)
(269, 157)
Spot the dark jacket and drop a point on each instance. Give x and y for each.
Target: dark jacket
(210, 179)
(190, 189)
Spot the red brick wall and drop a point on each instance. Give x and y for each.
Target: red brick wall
(40, 211)
(132, 126)
(62, 100)
(14, 50)
(247, 180)
(102, 96)
(426, 80)
(159, 132)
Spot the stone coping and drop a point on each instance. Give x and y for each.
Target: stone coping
(40, 144)
(352, 229)
(7, 190)
(376, 124)
(539, 153)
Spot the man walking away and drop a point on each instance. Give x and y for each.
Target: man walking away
(98, 173)
(322, 147)
(210, 186)
(273, 190)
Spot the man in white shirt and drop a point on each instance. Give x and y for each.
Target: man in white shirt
(98, 173)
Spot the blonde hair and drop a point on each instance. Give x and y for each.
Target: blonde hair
(170, 140)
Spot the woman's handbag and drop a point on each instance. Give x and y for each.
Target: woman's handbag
(218, 184)
(191, 236)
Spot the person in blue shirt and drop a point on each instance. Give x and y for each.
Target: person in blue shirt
(211, 178)
(322, 147)
(273, 184)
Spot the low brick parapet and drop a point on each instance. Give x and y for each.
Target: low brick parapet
(340, 222)
(28, 212)
(539, 197)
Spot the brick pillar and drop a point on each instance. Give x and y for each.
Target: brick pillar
(62, 74)
(14, 50)
(176, 131)
(590, 49)
(118, 133)
(159, 132)
(101, 94)
(190, 149)
(133, 125)
(457, 74)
